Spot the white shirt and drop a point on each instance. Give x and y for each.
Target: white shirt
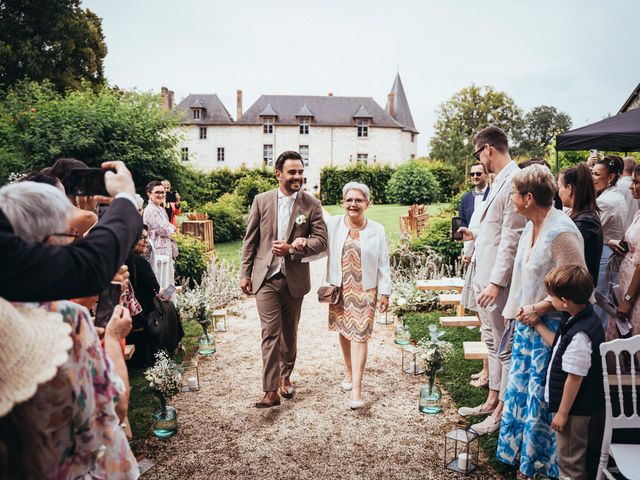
(477, 198)
(624, 186)
(285, 206)
(576, 358)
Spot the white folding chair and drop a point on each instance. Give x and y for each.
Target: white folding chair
(627, 457)
(164, 271)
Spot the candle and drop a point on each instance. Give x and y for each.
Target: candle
(193, 383)
(463, 461)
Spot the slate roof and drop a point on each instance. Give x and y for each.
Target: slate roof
(268, 111)
(304, 112)
(632, 102)
(362, 113)
(329, 110)
(401, 105)
(214, 112)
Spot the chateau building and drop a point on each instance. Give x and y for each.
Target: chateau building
(326, 130)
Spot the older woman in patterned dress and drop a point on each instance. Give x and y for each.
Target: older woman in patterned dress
(358, 262)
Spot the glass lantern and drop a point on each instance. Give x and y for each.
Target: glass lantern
(383, 318)
(411, 361)
(207, 344)
(220, 320)
(430, 398)
(190, 376)
(461, 450)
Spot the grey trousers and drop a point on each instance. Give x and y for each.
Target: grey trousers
(492, 326)
(572, 447)
(279, 316)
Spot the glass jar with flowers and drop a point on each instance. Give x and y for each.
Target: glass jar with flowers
(165, 380)
(433, 352)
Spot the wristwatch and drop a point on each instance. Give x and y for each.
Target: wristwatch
(628, 298)
(290, 249)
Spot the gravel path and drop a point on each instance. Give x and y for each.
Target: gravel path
(314, 435)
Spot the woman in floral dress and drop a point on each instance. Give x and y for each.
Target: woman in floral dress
(358, 263)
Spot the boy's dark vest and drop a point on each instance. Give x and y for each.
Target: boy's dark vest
(590, 398)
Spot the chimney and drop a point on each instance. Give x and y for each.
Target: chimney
(167, 98)
(238, 104)
(330, 94)
(391, 107)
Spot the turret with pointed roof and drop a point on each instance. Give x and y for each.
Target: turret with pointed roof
(400, 109)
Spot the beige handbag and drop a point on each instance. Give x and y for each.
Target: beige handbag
(329, 294)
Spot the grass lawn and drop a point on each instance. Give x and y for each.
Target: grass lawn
(230, 252)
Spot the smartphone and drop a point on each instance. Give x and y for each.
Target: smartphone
(624, 245)
(168, 292)
(107, 302)
(456, 223)
(87, 182)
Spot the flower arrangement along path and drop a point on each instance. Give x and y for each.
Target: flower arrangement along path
(314, 435)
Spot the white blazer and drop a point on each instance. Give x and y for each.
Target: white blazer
(374, 254)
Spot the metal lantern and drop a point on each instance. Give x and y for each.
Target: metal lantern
(190, 375)
(220, 320)
(461, 450)
(383, 318)
(411, 362)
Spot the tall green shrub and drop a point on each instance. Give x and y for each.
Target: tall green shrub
(228, 218)
(412, 183)
(332, 179)
(192, 258)
(251, 185)
(447, 175)
(437, 237)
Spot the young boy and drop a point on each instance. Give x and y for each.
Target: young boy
(574, 388)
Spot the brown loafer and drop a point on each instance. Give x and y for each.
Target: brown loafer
(267, 404)
(287, 392)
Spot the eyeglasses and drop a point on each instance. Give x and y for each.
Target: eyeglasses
(357, 201)
(143, 238)
(477, 153)
(73, 236)
(160, 194)
(522, 194)
(475, 174)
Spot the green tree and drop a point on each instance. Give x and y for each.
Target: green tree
(412, 183)
(53, 40)
(39, 125)
(461, 117)
(541, 125)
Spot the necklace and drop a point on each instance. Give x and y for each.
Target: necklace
(352, 226)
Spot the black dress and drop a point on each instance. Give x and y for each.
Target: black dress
(591, 229)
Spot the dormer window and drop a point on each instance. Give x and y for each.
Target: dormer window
(267, 125)
(196, 114)
(363, 127)
(304, 126)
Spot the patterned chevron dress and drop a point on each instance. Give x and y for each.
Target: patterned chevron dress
(353, 315)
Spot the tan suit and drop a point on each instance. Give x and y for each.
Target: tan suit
(497, 234)
(279, 298)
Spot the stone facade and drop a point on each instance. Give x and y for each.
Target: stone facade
(210, 138)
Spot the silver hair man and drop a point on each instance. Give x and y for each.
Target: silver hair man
(361, 187)
(35, 210)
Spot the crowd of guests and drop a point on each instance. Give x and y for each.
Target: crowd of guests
(65, 388)
(540, 257)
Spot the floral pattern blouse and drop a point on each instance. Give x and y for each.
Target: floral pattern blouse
(160, 230)
(77, 408)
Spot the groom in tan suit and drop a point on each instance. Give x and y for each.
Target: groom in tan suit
(272, 270)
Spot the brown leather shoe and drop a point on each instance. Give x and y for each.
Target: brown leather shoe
(271, 399)
(287, 391)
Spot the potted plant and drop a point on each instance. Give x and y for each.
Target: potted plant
(165, 380)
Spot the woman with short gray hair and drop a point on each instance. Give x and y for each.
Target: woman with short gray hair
(358, 265)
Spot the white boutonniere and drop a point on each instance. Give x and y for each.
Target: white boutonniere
(300, 219)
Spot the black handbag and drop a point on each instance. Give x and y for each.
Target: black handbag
(329, 294)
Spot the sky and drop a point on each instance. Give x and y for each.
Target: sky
(580, 56)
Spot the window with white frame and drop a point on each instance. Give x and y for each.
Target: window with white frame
(363, 128)
(303, 150)
(267, 125)
(196, 114)
(267, 155)
(184, 154)
(203, 133)
(304, 126)
(221, 154)
(363, 158)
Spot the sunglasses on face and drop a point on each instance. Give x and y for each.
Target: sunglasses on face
(475, 174)
(477, 153)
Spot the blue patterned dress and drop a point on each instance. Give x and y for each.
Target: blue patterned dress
(525, 429)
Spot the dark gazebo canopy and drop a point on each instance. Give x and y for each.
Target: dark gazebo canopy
(620, 133)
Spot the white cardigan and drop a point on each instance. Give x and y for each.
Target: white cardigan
(374, 254)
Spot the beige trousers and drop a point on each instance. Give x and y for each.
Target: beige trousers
(491, 329)
(279, 316)
(572, 447)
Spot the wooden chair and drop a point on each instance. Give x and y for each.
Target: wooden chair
(626, 456)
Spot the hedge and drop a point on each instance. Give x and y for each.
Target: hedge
(438, 238)
(447, 176)
(412, 183)
(192, 259)
(332, 179)
(228, 217)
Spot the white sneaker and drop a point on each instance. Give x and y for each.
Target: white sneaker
(466, 411)
(488, 425)
(346, 387)
(357, 404)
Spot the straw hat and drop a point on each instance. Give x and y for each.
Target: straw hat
(33, 344)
